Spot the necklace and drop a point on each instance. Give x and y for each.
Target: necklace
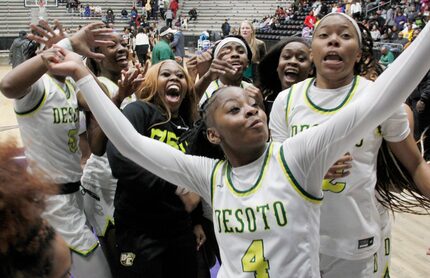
(182, 126)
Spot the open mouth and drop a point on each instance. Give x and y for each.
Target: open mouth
(291, 74)
(333, 57)
(173, 93)
(122, 60)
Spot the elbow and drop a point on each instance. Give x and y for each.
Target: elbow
(7, 88)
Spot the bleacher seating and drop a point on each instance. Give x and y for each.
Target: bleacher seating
(14, 17)
(212, 14)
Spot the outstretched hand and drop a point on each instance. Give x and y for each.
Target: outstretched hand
(62, 62)
(90, 37)
(45, 34)
(130, 81)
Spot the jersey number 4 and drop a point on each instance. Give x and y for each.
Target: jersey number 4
(253, 260)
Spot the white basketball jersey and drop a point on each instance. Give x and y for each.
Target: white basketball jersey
(50, 132)
(268, 223)
(349, 218)
(215, 85)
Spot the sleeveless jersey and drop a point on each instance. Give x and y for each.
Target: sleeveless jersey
(350, 222)
(263, 221)
(50, 132)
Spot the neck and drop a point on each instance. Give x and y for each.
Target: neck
(239, 157)
(231, 82)
(114, 76)
(61, 79)
(324, 83)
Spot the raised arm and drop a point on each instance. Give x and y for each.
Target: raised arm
(316, 149)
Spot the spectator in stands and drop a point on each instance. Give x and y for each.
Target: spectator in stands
(174, 6)
(184, 23)
(141, 45)
(401, 39)
(124, 13)
(375, 33)
(110, 17)
(161, 8)
(178, 46)
(310, 20)
(169, 18)
(225, 27)
(17, 51)
(415, 33)
(400, 20)
(389, 18)
(192, 14)
(162, 50)
(87, 12)
(133, 13)
(257, 46)
(148, 10)
(356, 9)
(387, 57)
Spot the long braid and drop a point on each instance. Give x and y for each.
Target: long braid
(397, 189)
(198, 144)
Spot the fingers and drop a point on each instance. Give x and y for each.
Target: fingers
(96, 56)
(59, 26)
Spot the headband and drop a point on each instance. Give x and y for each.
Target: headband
(226, 41)
(350, 19)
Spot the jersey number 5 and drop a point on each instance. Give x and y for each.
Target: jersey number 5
(253, 260)
(73, 140)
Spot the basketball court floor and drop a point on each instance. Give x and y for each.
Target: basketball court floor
(410, 237)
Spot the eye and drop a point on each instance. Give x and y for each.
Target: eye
(322, 35)
(165, 74)
(233, 110)
(302, 58)
(180, 75)
(345, 36)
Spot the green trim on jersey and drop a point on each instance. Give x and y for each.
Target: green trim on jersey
(87, 252)
(288, 103)
(305, 195)
(326, 111)
(257, 184)
(69, 86)
(36, 108)
(213, 177)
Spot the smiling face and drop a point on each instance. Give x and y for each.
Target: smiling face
(235, 54)
(172, 85)
(335, 50)
(294, 64)
(116, 55)
(237, 123)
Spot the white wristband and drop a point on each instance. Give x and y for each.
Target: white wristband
(66, 44)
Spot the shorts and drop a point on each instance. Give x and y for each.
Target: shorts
(332, 267)
(66, 214)
(383, 255)
(99, 213)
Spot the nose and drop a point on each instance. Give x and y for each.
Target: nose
(333, 40)
(292, 61)
(251, 110)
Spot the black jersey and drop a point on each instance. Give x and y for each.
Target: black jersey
(144, 201)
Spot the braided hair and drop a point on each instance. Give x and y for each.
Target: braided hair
(198, 143)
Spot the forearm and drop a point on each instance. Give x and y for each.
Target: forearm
(16, 83)
(202, 85)
(421, 178)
